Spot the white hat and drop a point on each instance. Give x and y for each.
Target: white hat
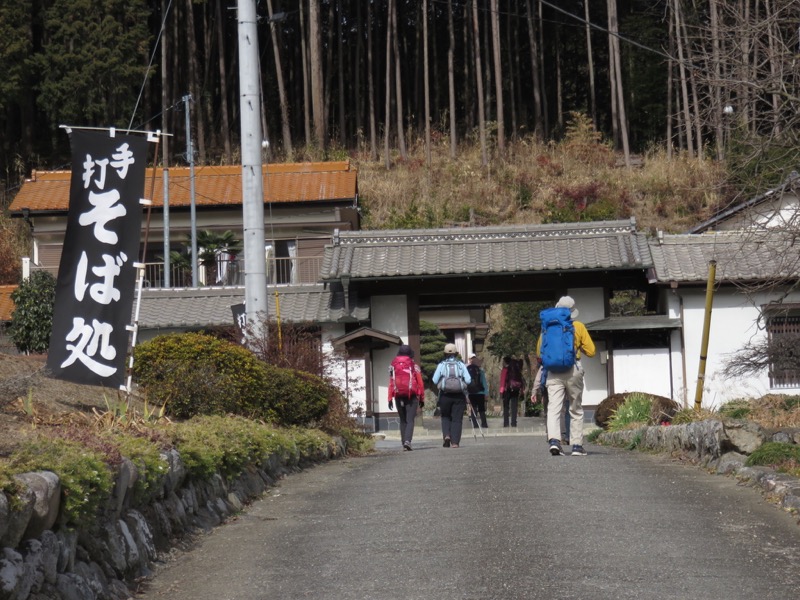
(568, 302)
(450, 349)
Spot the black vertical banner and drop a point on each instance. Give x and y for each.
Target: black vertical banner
(96, 276)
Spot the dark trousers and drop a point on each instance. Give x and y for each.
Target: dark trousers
(478, 402)
(452, 407)
(407, 410)
(510, 405)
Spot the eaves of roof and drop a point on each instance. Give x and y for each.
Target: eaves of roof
(48, 192)
(637, 323)
(375, 255)
(755, 201)
(741, 256)
(203, 307)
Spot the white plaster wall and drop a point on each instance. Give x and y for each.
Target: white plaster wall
(642, 369)
(348, 374)
(590, 303)
(733, 324)
(389, 314)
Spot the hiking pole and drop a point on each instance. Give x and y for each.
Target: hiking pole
(471, 421)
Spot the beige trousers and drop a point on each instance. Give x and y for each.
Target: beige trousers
(560, 386)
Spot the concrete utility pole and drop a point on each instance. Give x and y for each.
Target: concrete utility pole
(193, 207)
(255, 264)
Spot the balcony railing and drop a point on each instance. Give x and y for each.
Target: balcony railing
(280, 271)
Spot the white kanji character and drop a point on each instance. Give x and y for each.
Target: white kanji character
(80, 277)
(123, 158)
(89, 339)
(104, 211)
(88, 171)
(106, 293)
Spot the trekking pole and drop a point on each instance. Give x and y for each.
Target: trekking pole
(471, 422)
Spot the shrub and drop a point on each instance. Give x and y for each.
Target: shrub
(32, 319)
(146, 457)
(690, 415)
(294, 397)
(195, 374)
(635, 410)
(86, 480)
(784, 457)
(735, 409)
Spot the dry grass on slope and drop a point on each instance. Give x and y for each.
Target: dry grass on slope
(578, 179)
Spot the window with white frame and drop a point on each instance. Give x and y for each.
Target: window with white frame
(783, 346)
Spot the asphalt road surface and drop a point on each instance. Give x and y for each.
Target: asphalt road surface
(496, 518)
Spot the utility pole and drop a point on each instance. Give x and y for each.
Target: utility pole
(255, 264)
(187, 99)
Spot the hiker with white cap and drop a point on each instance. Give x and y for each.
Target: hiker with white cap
(452, 379)
(560, 345)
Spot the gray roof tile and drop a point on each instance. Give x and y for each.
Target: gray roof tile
(500, 249)
(740, 255)
(200, 307)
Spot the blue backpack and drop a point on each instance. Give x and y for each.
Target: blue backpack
(558, 339)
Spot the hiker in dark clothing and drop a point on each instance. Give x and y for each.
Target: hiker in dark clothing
(511, 384)
(477, 389)
(452, 378)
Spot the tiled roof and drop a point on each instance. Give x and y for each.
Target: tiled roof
(214, 186)
(741, 256)
(503, 249)
(200, 307)
(6, 304)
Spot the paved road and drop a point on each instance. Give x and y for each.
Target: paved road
(496, 519)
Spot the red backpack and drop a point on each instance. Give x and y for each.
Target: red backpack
(402, 370)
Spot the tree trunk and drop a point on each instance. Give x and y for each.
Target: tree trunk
(373, 130)
(388, 114)
(498, 76)
(427, 85)
(684, 85)
(223, 85)
(559, 82)
(614, 55)
(315, 59)
(590, 61)
(284, 101)
(401, 136)
(340, 73)
(194, 85)
(479, 83)
(304, 59)
(451, 79)
(533, 41)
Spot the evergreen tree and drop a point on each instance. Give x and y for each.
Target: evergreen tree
(431, 346)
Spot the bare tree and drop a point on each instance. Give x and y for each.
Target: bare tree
(533, 40)
(427, 85)
(451, 79)
(388, 94)
(590, 63)
(373, 130)
(223, 85)
(401, 136)
(615, 68)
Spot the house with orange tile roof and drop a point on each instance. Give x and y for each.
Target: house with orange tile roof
(304, 203)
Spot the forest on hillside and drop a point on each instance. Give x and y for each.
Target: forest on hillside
(710, 79)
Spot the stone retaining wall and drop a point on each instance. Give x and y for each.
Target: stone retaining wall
(38, 562)
(722, 446)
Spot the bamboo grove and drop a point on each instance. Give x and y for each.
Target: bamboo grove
(711, 78)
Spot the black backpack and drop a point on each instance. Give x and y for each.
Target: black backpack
(474, 386)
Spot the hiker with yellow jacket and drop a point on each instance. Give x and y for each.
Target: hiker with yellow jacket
(565, 376)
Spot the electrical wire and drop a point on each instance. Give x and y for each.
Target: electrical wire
(150, 65)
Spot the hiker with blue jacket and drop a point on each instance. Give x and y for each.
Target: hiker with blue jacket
(452, 379)
(560, 345)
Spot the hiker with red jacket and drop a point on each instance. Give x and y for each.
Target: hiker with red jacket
(511, 384)
(407, 390)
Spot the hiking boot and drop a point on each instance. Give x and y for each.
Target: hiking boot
(578, 451)
(446, 443)
(407, 446)
(454, 446)
(555, 447)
